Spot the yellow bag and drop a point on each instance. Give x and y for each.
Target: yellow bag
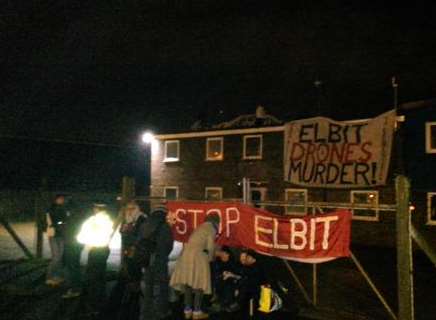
(265, 299)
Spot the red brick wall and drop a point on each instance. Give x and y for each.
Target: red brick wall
(192, 174)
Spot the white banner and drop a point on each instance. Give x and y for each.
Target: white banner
(320, 152)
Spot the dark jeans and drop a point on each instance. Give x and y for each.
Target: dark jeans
(96, 276)
(123, 302)
(72, 263)
(248, 289)
(55, 267)
(156, 274)
(226, 291)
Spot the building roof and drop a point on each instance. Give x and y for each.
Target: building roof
(259, 119)
(419, 104)
(255, 120)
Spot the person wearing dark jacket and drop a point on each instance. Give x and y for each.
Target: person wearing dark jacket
(224, 277)
(250, 278)
(73, 250)
(55, 225)
(131, 220)
(156, 240)
(123, 302)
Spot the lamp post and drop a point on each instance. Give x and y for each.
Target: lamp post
(148, 139)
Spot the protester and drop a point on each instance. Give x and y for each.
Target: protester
(123, 302)
(96, 233)
(73, 251)
(157, 238)
(250, 278)
(132, 219)
(224, 279)
(282, 297)
(192, 274)
(55, 224)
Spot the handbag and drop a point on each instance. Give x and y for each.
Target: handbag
(269, 300)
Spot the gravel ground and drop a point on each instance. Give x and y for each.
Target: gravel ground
(341, 288)
(9, 250)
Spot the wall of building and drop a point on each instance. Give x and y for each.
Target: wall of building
(192, 174)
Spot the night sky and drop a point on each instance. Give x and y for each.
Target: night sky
(106, 70)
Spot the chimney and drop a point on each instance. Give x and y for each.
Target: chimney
(260, 112)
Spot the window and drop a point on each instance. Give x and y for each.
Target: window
(296, 197)
(214, 193)
(253, 147)
(171, 193)
(214, 149)
(172, 151)
(257, 195)
(368, 198)
(431, 208)
(430, 137)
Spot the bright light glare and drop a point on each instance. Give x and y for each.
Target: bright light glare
(116, 240)
(148, 138)
(96, 231)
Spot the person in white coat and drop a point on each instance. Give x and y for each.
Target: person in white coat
(192, 274)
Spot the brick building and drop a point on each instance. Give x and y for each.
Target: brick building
(210, 164)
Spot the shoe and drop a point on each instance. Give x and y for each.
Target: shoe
(215, 308)
(232, 308)
(71, 294)
(165, 315)
(50, 282)
(197, 315)
(54, 282)
(188, 313)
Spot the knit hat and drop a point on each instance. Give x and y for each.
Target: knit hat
(159, 210)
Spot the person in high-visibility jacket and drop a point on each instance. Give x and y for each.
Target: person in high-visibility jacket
(96, 233)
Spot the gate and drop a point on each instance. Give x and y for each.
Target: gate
(404, 234)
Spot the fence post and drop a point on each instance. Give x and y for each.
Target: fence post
(246, 197)
(404, 250)
(40, 202)
(14, 236)
(127, 190)
(314, 276)
(425, 246)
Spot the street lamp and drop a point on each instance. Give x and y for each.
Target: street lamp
(150, 141)
(148, 138)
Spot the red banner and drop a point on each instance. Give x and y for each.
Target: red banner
(310, 239)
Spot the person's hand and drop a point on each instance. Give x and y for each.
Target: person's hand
(228, 275)
(130, 252)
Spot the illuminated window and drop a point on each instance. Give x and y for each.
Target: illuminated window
(297, 200)
(430, 137)
(214, 193)
(171, 193)
(172, 151)
(431, 208)
(365, 198)
(214, 149)
(253, 145)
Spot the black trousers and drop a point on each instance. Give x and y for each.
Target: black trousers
(72, 254)
(96, 277)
